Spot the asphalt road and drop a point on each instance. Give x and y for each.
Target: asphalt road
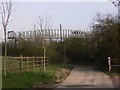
(86, 77)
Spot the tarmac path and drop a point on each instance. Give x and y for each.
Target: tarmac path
(86, 77)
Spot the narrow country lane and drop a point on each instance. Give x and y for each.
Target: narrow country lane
(86, 77)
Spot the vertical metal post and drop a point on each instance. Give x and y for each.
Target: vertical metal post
(55, 34)
(60, 33)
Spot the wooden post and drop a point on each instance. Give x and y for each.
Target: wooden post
(109, 63)
(33, 62)
(27, 64)
(41, 62)
(21, 62)
(44, 59)
(47, 58)
(37, 62)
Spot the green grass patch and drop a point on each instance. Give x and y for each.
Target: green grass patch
(27, 79)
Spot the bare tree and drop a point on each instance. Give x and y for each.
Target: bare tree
(6, 10)
(43, 26)
(116, 3)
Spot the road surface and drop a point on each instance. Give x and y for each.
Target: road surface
(86, 77)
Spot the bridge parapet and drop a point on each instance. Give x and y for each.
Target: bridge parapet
(50, 33)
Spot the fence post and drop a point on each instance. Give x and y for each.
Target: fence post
(44, 59)
(21, 63)
(41, 60)
(47, 58)
(27, 66)
(33, 62)
(109, 63)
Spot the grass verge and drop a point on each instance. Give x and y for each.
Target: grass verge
(27, 79)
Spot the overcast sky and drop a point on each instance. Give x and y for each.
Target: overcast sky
(72, 15)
